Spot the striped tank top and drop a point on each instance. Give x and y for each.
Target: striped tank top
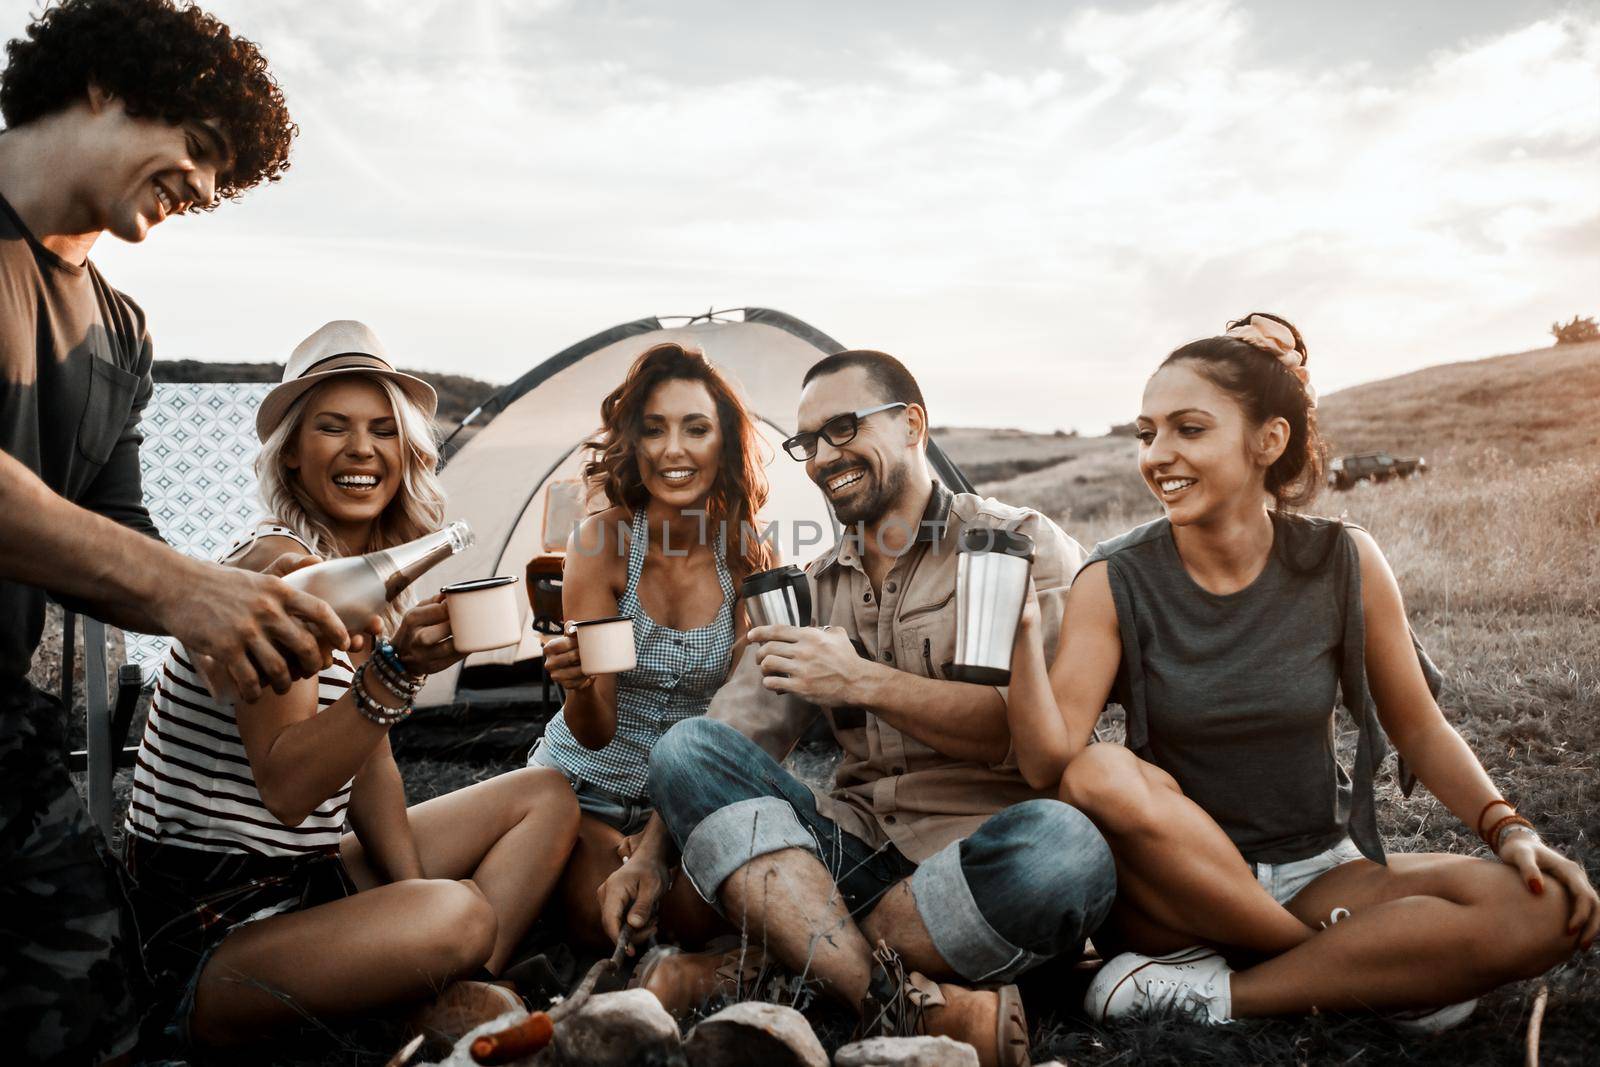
(677, 674)
(192, 783)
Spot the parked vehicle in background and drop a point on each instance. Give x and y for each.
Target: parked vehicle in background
(1345, 472)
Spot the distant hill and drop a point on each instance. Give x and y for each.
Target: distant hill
(1528, 408)
(993, 455)
(458, 395)
(1531, 407)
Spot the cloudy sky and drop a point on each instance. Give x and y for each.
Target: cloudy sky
(1030, 202)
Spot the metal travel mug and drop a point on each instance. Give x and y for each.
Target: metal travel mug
(779, 597)
(992, 569)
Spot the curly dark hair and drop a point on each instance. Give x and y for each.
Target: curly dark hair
(163, 60)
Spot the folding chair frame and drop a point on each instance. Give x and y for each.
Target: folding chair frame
(106, 724)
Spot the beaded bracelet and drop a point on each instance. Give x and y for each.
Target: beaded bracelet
(1497, 801)
(370, 708)
(401, 684)
(1498, 830)
(391, 658)
(376, 712)
(397, 686)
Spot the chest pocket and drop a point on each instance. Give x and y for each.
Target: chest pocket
(926, 648)
(926, 636)
(106, 408)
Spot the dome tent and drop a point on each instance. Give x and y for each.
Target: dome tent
(513, 469)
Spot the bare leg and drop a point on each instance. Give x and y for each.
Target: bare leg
(896, 921)
(593, 860)
(686, 919)
(1426, 930)
(396, 943)
(511, 835)
(787, 901)
(1180, 880)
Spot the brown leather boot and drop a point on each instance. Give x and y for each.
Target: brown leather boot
(684, 981)
(905, 1004)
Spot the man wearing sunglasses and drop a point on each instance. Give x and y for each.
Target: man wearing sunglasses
(931, 865)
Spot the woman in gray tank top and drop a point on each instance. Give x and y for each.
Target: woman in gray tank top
(1227, 630)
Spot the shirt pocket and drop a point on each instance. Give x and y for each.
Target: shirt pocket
(105, 410)
(921, 612)
(926, 634)
(925, 649)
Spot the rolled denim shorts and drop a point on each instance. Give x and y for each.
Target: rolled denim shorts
(1285, 880)
(1029, 884)
(625, 816)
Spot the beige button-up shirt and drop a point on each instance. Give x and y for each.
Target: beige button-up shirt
(890, 786)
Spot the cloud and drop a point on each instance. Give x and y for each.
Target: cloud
(1070, 199)
(1184, 35)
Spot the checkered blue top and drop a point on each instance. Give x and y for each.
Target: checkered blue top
(677, 674)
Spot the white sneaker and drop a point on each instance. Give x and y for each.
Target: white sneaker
(1193, 982)
(1432, 1020)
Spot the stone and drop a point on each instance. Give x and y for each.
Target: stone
(907, 1052)
(461, 1054)
(772, 1035)
(617, 1030)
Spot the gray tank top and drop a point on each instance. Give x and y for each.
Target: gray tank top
(1233, 695)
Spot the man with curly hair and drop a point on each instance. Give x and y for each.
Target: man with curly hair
(118, 114)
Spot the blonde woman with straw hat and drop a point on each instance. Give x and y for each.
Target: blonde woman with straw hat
(279, 872)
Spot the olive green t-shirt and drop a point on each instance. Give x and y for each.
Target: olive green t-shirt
(74, 378)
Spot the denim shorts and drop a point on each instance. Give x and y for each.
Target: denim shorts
(625, 816)
(188, 901)
(1285, 880)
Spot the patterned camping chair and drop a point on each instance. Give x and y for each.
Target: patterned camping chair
(200, 487)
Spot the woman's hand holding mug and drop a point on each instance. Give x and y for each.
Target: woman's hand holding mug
(423, 642)
(562, 661)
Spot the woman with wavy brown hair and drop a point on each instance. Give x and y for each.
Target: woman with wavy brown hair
(678, 459)
(1252, 879)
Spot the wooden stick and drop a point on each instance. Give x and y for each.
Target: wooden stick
(403, 1057)
(538, 1029)
(1536, 1023)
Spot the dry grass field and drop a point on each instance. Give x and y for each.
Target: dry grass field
(1498, 553)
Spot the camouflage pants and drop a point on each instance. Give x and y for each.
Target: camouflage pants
(70, 976)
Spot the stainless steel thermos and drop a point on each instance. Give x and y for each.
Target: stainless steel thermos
(779, 597)
(992, 569)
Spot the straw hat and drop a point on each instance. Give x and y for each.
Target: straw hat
(341, 347)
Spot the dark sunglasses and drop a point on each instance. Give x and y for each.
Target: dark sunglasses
(837, 431)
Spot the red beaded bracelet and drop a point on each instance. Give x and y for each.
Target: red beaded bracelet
(1478, 823)
(1499, 830)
